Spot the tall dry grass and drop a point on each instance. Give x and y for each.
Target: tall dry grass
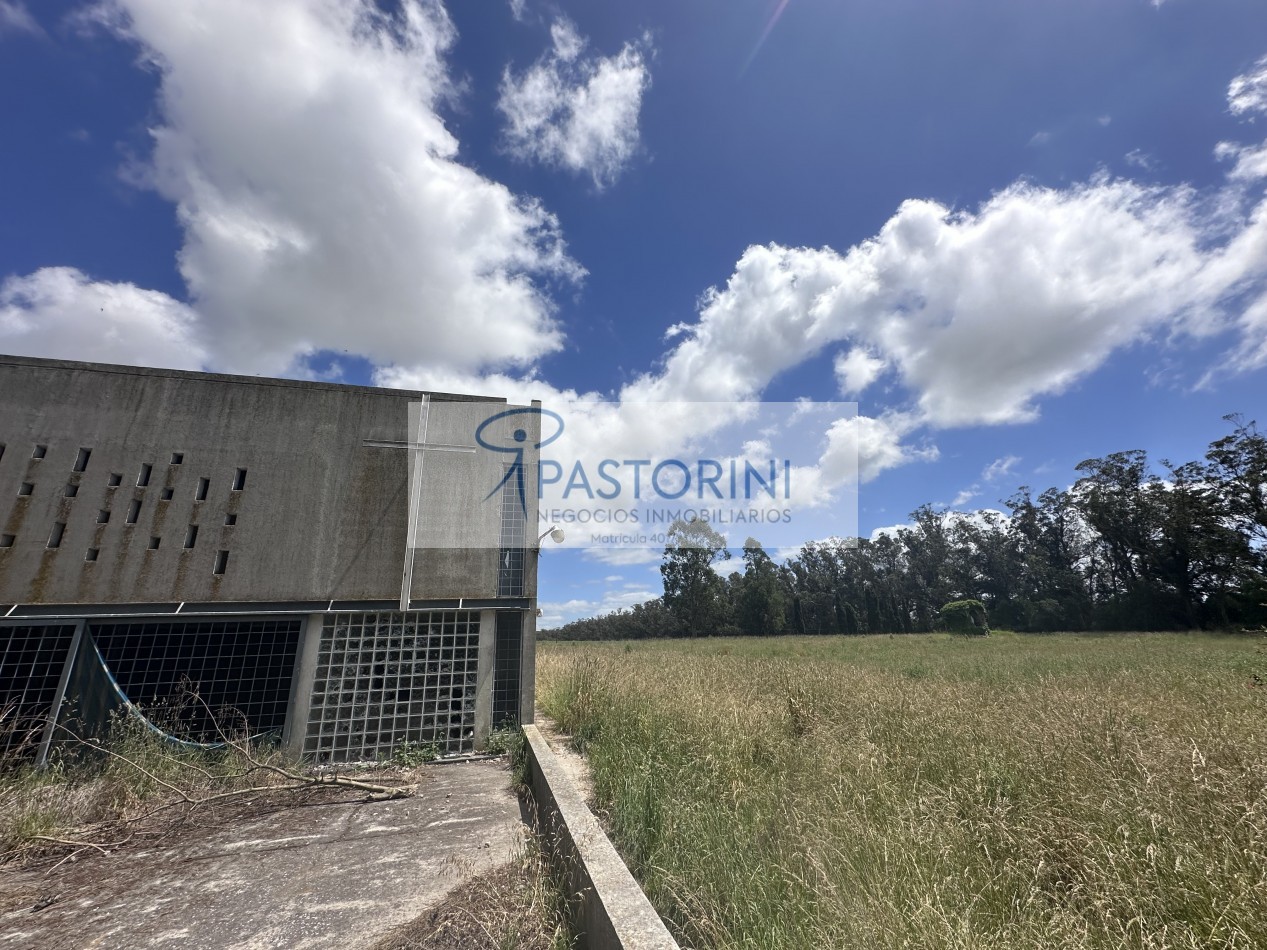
(1013, 792)
(99, 795)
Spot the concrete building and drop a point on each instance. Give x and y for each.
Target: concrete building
(344, 567)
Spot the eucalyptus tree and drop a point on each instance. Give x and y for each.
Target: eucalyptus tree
(762, 599)
(693, 592)
(1237, 463)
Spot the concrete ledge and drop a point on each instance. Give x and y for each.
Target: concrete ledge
(609, 910)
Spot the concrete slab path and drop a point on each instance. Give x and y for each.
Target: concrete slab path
(321, 876)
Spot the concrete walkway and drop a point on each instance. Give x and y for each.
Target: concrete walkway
(321, 876)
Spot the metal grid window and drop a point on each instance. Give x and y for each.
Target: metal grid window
(506, 668)
(387, 678)
(510, 557)
(241, 670)
(31, 662)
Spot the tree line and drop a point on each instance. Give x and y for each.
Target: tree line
(1128, 547)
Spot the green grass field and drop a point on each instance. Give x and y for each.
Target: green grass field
(929, 791)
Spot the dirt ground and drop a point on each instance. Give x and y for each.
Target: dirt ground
(511, 906)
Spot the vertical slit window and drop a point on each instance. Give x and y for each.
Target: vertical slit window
(103, 516)
(55, 536)
(154, 543)
(222, 561)
(134, 511)
(40, 452)
(201, 493)
(191, 536)
(81, 460)
(144, 478)
(239, 480)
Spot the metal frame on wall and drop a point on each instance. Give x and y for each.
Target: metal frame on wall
(330, 685)
(184, 656)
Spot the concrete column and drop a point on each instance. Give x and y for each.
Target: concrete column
(296, 729)
(528, 666)
(484, 678)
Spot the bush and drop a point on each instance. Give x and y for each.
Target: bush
(965, 616)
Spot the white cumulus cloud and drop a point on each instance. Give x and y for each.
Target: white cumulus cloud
(320, 193)
(981, 312)
(59, 313)
(325, 207)
(574, 111)
(856, 370)
(976, 314)
(862, 447)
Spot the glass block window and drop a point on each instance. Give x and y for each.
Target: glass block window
(387, 678)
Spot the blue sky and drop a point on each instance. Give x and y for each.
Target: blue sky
(1018, 234)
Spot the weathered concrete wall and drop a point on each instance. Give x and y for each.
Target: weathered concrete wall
(609, 911)
(320, 515)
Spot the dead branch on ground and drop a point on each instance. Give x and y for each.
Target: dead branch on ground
(269, 779)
